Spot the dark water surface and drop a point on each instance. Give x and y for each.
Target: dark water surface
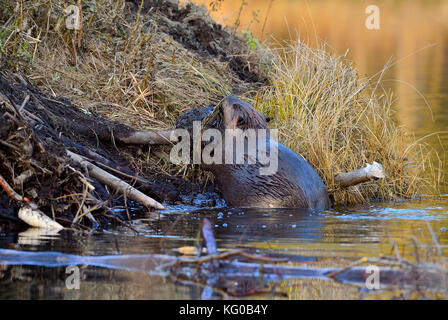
(320, 239)
(415, 34)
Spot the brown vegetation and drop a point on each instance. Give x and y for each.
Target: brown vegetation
(142, 63)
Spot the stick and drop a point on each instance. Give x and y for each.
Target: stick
(10, 191)
(116, 183)
(207, 235)
(369, 172)
(147, 137)
(36, 218)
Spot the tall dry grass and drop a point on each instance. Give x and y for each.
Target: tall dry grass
(118, 64)
(339, 122)
(122, 66)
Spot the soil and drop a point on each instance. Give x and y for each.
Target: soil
(39, 144)
(195, 30)
(36, 129)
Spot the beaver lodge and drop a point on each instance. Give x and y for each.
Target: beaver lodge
(71, 99)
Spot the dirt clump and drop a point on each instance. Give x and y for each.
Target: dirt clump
(35, 133)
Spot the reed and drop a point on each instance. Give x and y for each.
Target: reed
(339, 122)
(124, 66)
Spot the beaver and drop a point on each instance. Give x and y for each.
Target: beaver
(294, 183)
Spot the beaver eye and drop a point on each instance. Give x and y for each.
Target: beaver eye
(240, 122)
(268, 119)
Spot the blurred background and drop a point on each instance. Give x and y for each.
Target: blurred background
(413, 38)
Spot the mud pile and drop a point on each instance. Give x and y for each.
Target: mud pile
(132, 64)
(35, 133)
(194, 29)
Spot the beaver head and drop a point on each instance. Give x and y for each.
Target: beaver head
(238, 114)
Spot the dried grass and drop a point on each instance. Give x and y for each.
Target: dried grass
(122, 66)
(339, 122)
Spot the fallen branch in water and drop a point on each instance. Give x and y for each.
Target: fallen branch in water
(369, 172)
(225, 255)
(116, 183)
(31, 215)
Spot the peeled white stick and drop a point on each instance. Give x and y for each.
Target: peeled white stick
(31, 215)
(116, 183)
(369, 172)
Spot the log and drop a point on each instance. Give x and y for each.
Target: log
(369, 172)
(116, 183)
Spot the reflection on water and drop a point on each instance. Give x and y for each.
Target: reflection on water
(415, 35)
(319, 240)
(36, 236)
(32, 282)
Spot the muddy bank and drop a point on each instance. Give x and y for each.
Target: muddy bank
(192, 27)
(35, 133)
(135, 58)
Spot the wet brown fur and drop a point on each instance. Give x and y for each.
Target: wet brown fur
(295, 184)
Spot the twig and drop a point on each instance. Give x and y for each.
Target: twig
(25, 101)
(116, 183)
(71, 222)
(11, 192)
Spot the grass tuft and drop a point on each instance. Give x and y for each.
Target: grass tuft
(336, 121)
(128, 65)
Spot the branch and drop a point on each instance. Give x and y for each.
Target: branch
(31, 215)
(116, 183)
(369, 172)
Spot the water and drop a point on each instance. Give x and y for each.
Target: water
(415, 35)
(325, 239)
